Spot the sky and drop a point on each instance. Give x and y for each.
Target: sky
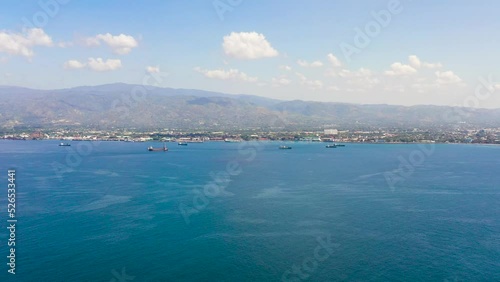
(370, 52)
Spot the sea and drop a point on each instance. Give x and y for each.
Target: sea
(249, 211)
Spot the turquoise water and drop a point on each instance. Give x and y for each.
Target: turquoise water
(112, 211)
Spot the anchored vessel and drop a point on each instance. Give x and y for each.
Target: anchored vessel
(182, 144)
(164, 149)
(335, 145)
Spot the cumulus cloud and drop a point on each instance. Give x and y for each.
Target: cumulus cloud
(310, 83)
(100, 65)
(95, 64)
(248, 46)
(120, 44)
(74, 64)
(152, 69)
(415, 62)
(362, 72)
(334, 60)
(306, 64)
(281, 81)
(286, 68)
(400, 69)
(313, 84)
(22, 44)
(447, 77)
(333, 88)
(432, 65)
(232, 74)
(64, 44)
(92, 41)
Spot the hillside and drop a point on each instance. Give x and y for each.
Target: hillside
(114, 105)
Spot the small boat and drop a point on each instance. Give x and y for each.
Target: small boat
(340, 145)
(331, 146)
(64, 144)
(182, 144)
(164, 148)
(285, 147)
(230, 140)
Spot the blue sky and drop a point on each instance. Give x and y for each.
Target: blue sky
(414, 52)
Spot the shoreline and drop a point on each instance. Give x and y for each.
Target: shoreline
(243, 141)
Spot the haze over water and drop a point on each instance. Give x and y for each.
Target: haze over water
(117, 212)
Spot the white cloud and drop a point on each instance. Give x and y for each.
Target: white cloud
(362, 72)
(286, 68)
(64, 44)
(22, 43)
(100, 65)
(152, 69)
(334, 60)
(362, 78)
(248, 45)
(281, 81)
(311, 83)
(432, 65)
(306, 64)
(333, 88)
(232, 74)
(91, 41)
(74, 64)
(95, 64)
(417, 63)
(120, 44)
(400, 69)
(414, 61)
(409, 82)
(447, 77)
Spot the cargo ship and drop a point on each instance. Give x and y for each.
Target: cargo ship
(152, 149)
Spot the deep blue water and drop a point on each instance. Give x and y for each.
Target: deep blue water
(96, 211)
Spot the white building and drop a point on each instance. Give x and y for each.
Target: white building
(331, 132)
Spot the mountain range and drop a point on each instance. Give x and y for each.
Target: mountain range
(135, 106)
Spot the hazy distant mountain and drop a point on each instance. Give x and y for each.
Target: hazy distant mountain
(125, 105)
